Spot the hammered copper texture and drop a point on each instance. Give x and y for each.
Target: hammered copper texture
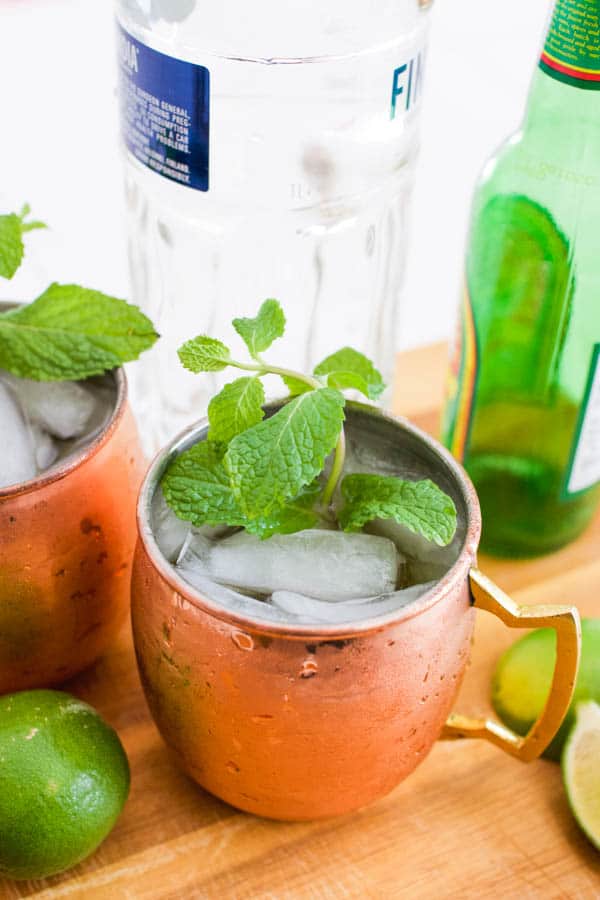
(301, 723)
(66, 546)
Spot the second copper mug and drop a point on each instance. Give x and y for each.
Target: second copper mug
(66, 546)
(302, 722)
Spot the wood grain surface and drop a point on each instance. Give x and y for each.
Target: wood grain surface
(469, 823)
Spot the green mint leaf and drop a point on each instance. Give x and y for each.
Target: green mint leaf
(32, 226)
(270, 463)
(237, 408)
(204, 354)
(297, 515)
(196, 487)
(71, 333)
(29, 226)
(12, 250)
(11, 245)
(258, 334)
(419, 505)
(295, 386)
(349, 369)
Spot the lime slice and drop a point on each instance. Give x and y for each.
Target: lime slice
(521, 682)
(520, 275)
(581, 770)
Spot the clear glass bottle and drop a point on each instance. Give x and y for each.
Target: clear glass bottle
(296, 125)
(523, 410)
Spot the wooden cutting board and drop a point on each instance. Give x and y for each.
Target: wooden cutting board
(469, 823)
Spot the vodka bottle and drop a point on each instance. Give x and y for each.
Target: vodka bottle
(270, 151)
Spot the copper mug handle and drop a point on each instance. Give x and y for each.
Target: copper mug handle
(565, 621)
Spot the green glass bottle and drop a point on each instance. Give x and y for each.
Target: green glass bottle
(523, 406)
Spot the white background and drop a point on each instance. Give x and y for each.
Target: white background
(58, 146)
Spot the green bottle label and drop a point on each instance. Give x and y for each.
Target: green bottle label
(584, 466)
(572, 50)
(461, 382)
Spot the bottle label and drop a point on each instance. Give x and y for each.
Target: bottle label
(572, 50)
(462, 382)
(584, 468)
(165, 112)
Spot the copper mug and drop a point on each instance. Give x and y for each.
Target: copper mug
(297, 722)
(66, 545)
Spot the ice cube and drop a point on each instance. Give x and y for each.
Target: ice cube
(102, 389)
(326, 565)
(62, 408)
(231, 599)
(17, 455)
(169, 531)
(308, 610)
(45, 449)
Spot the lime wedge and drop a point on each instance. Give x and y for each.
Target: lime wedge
(581, 770)
(523, 676)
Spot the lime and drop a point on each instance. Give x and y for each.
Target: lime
(581, 770)
(523, 676)
(64, 778)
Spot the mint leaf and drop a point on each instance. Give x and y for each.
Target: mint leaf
(258, 334)
(11, 245)
(29, 226)
(419, 505)
(196, 487)
(12, 249)
(295, 386)
(204, 354)
(349, 369)
(297, 515)
(32, 226)
(270, 463)
(70, 333)
(236, 408)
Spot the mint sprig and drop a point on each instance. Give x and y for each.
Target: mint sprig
(69, 332)
(267, 475)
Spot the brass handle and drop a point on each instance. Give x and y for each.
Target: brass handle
(565, 620)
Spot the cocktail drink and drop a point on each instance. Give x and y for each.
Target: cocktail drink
(70, 467)
(321, 575)
(46, 424)
(67, 531)
(300, 707)
(301, 656)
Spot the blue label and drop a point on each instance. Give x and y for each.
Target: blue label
(165, 112)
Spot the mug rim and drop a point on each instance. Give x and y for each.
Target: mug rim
(74, 460)
(448, 584)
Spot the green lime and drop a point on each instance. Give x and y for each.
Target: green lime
(523, 676)
(581, 770)
(64, 778)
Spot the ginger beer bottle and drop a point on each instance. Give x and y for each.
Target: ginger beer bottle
(523, 407)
